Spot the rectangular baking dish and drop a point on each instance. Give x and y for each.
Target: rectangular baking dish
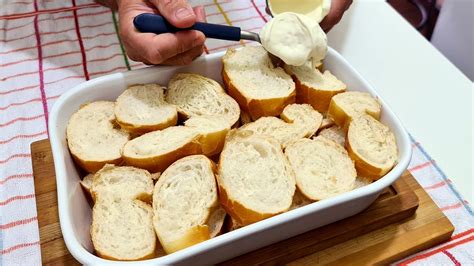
(75, 212)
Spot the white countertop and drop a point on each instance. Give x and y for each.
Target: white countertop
(430, 95)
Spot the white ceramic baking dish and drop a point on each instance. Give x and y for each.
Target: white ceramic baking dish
(75, 212)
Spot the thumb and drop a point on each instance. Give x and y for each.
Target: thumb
(177, 12)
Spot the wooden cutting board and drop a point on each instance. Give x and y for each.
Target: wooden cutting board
(385, 232)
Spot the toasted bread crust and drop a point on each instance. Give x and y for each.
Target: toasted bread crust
(257, 108)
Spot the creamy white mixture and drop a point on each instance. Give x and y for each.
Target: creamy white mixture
(315, 9)
(295, 39)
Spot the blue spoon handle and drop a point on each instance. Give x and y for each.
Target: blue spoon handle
(152, 23)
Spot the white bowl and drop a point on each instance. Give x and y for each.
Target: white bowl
(75, 212)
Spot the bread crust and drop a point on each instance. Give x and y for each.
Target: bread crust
(365, 168)
(317, 98)
(257, 108)
(160, 162)
(343, 119)
(241, 214)
(195, 235)
(142, 129)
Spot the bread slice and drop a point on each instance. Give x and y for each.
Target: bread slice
(335, 134)
(304, 117)
(372, 146)
(122, 229)
(345, 106)
(260, 88)
(314, 87)
(142, 108)
(244, 118)
(326, 123)
(183, 200)
(93, 137)
(122, 182)
(323, 168)
(212, 130)
(86, 184)
(196, 95)
(216, 221)
(255, 179)
(231, 224)
(155, 151)
(362, 181)
(302, 121)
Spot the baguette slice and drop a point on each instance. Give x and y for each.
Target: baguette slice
(122, 182)
(231, 224)
(196, 95)
(122, 229)
(372, 146)
(255, 179)
(216, 221)
(302, 121)
(86, 184)
(314, 87)
(212, 130)
(244, 118)
(323, 168)
(142, 108)
(155, 151)
(183, 200)
(93, 137)
(335, 134)
(260, 88)
(304, 117)
(348, 105)
(326, 123)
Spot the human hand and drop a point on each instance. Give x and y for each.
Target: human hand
(179, 48)
(338, 7)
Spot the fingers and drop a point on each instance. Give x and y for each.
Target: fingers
(178, 12)
(200, 13)
(186, 57)
(155, 49)
(338, 7)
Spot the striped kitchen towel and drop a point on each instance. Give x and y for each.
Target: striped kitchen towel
(49, 46)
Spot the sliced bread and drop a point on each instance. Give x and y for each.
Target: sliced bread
(304, 117)
(212, 130)
(255, 179)
(260, 88)
(86, 184)
(335, 134)
(155, 151)
(183, 200)
(142, 108)
(244, 118)
(122, 229)
(93, 137)
(196, 95)
(216, 221)
(348, 105)
(122, 224)
(122, 182)
(301, 121)
(327, 122)
(314, 87)
(322, 167)
(372, 146)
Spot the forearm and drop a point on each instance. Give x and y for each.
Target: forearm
(112, 4)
